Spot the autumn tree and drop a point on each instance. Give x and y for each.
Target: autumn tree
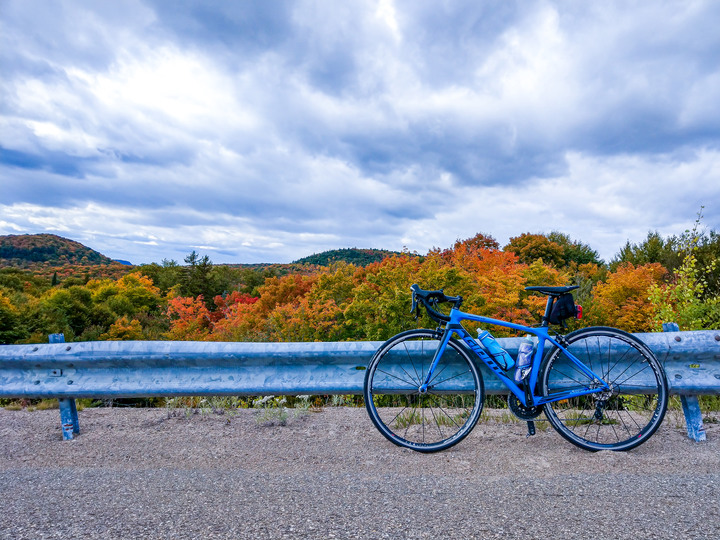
(254, 322)
(189, 319)
(124, 329)
(623, 300)
(531, 247)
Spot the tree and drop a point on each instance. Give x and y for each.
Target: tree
(654, 249)
(165, 276)
(9, 321)
(67, 311)
(479, 241)
(195, 280)
(124, 330)
(623, 300)
(189, 319)
(531, 247)
(575, 251)
(556, 249)
(692, 298)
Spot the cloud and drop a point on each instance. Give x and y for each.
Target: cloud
(268, 131)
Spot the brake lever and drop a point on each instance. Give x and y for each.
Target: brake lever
(414, 309)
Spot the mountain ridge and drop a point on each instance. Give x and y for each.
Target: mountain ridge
(47, 250)
(27, 250)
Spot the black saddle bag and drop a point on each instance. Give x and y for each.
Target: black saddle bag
(563, 308)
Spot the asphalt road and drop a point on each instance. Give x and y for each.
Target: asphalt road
(136, 473)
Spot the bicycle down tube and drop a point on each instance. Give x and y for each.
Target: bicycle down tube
(455, 326)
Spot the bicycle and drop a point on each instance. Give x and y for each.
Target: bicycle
(600, 388)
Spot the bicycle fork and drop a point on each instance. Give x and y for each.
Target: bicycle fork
(425, 386)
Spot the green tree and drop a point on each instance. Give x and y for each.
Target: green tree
(691, 299)
(10, 329)
(68, 311)
(165, 276)
(654, 249)
(574, 250)
(195, 277)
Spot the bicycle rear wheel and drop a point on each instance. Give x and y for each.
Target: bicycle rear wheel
(619, 419)
(427, 421)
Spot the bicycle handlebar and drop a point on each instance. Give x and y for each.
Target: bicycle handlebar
(430, 299)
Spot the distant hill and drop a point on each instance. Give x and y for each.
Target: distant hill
(29, 250)
(358, 257)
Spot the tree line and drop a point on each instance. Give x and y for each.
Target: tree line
(658, 280)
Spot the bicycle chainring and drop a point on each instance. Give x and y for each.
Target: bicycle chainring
(521, 411)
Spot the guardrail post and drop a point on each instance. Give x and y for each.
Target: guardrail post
(690, 404)
(68, 409)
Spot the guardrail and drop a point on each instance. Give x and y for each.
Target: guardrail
(117, 369)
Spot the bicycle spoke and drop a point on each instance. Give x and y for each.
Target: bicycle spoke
(618, 417)
(407, 353)
(433, 420)
(410, 383)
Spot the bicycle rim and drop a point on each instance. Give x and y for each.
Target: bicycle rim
(621, 418)
(429, 421)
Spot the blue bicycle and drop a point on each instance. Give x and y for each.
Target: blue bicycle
(600, 388)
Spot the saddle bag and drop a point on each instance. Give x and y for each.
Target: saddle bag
(564, 308)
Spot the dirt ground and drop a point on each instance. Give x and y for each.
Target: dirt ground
(142, 473)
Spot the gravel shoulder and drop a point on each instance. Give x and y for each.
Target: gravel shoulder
(139, 473)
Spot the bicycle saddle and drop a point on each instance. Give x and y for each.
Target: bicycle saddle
(553, 291)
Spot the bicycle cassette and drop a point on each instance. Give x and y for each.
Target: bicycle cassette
(521, 411)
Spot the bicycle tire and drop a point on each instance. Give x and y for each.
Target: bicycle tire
(430, 421)
(619, 419)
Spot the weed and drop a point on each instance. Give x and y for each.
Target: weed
(218, 405)
(47, 404)
(272, 410)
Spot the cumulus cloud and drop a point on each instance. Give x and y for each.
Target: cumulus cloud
(264, 132)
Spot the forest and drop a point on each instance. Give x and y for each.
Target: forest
(660, 279)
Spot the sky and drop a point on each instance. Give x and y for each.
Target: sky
(266, 131)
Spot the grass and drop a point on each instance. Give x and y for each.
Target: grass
(280, 410)
(272, 410)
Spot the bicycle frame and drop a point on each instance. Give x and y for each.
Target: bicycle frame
(454, 326)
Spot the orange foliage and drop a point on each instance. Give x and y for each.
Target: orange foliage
(245, 321)
(189, 319)
(623, 300)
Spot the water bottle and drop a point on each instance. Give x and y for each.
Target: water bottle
(500, 355)
(524, 358)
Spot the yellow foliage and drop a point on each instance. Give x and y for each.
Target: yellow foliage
(124, 330)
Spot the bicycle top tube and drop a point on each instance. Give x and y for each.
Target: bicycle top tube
(457, 316)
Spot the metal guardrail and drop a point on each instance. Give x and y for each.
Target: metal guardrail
(117, 369)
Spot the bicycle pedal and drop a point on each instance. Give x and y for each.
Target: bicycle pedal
(531, 428)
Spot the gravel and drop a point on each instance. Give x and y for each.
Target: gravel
(139, 473)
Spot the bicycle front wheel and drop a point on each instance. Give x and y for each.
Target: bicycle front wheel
(620, 418)
(430, 420)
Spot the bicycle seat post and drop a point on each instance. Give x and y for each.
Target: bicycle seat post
(548, 307)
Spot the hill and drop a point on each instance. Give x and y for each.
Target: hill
(358, 257)
(32, 250)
